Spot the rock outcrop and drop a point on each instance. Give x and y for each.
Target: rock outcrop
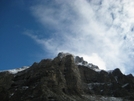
(66, 78)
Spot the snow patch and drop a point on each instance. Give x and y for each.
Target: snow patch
(90, 85)
(14, 71)
(80, 61)
(116, 79)
(110, 99)
(97, 83)
(97, 70)
(25, 87)
(110, 71)
(125, 85)
(11, 95)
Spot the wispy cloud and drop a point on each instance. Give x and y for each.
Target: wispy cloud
(99, 30)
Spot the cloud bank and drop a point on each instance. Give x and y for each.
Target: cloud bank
(102, 31)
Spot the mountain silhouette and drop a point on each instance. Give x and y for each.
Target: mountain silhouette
(65, 78)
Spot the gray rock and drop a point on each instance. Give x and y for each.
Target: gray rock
(61, 79)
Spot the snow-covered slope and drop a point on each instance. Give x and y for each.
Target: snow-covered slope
(14, 71)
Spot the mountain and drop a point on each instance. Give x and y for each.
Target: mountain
(65, 78)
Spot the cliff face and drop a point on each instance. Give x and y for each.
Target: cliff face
(65, 78)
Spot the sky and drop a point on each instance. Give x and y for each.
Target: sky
(100, 31)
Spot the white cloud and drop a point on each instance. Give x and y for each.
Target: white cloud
(99, 30)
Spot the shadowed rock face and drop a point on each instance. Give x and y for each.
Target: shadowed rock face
(62, 79)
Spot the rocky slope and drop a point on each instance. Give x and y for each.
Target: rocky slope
(66, 78)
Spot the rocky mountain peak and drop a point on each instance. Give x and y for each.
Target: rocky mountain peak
(117, 72)
(62, 54)
(65, 78)
(78, 60)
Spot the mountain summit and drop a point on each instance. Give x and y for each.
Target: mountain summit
(65, 78)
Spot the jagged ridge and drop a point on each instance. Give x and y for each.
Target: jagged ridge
(65, 78)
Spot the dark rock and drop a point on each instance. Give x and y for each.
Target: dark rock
(117, 72)
(62, 79)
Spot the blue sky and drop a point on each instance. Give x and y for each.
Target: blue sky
(101, 31)
(17, 49)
